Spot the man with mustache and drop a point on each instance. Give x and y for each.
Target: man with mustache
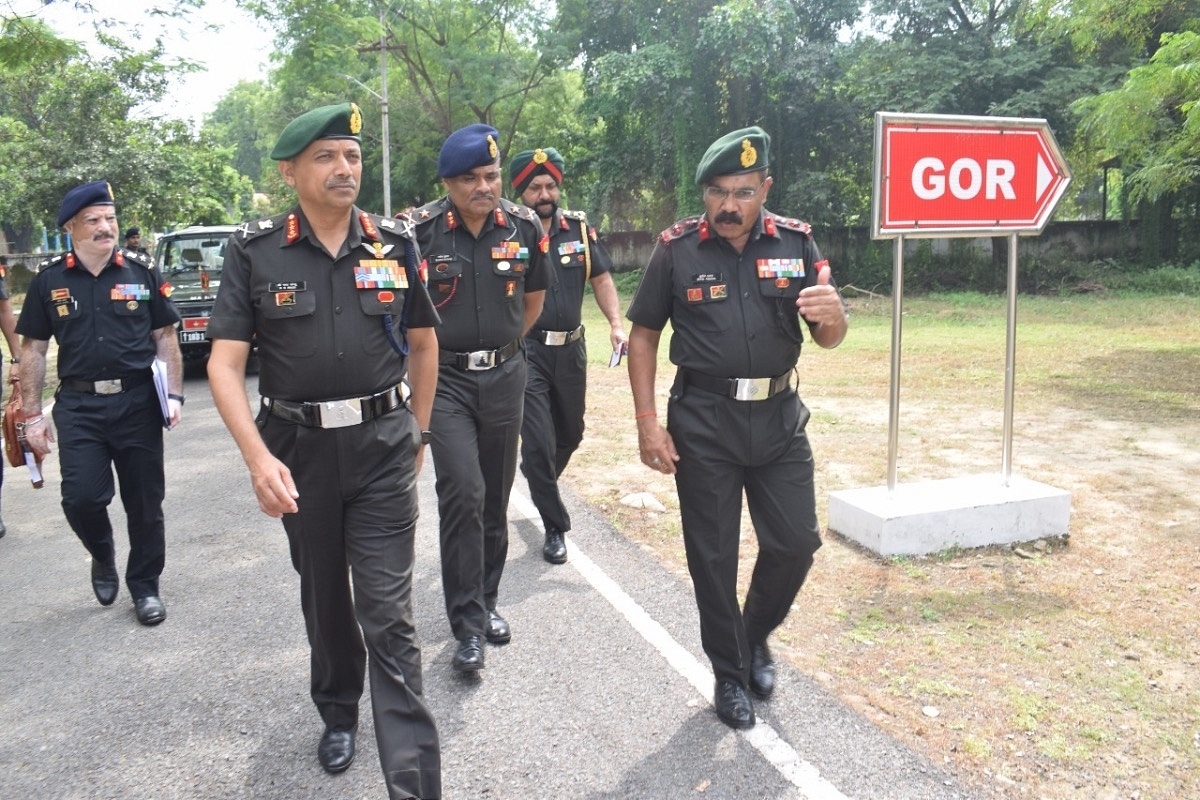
(109, 312)
(333, 298)
(735, 283)
(556, 350)
(485, 258)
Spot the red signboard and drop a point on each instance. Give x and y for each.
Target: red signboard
(939, 175)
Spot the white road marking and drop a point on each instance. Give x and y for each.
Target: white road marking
(762, 737)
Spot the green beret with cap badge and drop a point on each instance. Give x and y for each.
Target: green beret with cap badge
(741, 151)
(341, 121)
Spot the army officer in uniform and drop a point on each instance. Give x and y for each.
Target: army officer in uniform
(736, 284)
(340, 315)
(488, 278)
(556, 349)
(110, 314)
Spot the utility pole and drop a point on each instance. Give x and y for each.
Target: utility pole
(383, 47)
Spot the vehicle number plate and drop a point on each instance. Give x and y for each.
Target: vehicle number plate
(191, 337)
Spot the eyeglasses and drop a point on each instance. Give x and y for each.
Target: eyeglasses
(745, 194)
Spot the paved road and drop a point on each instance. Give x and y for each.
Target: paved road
(603, 692)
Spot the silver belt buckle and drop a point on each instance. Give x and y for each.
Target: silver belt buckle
(481, 359)
(558, 338)
(108, 387)
(341, 413)
(751, 388)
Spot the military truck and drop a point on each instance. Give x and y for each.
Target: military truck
(190, 260)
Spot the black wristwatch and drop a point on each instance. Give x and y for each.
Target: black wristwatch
(178, 397)
(426, 437)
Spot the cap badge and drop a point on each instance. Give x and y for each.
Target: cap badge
(749, 154)
(539, 156)
(493, 150)
(355, 119)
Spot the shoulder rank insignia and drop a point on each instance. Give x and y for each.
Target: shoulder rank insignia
(786, 222)
(680, 229)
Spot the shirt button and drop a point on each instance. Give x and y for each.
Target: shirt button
(337, 309)
(341, 356)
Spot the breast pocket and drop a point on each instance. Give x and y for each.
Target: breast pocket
(442, 279)
(378, 304)
(706, 306)
(512, 276)
(289, 318)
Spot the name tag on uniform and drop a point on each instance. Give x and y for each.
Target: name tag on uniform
(289, 286)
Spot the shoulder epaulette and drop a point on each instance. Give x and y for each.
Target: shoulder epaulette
(680, 229)
(579, 215)
(400, 225)
(134, 257)
(790, 223)
(429, 211)
(251, 230)
(517, 210)
(50, 262)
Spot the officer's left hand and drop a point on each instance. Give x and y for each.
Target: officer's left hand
(821, 304)
(174, 412)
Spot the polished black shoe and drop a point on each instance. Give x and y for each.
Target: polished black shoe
(469, 656)
(762, 671)
(497, 631)
(150, 610)
(555, 548)
(105, 581)
(336, 751)
(733, 704)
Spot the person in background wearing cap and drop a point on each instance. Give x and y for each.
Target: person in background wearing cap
(8, 326)
(735, 283)
(333, 296)
(133, 241)
(110, 313)
(485, 258)
(555, 349)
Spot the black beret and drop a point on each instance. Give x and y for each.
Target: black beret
(741, 151)
(528, 164)
(96, 193)
(341, 121)
(133, 232)
(467, 148)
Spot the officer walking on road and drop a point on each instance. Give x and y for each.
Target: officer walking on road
(556, 349)
(487, 276)
(109, 312)
(735, 284)
(332, 296)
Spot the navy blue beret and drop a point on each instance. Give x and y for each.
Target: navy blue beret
(467, 148)
(96, 193)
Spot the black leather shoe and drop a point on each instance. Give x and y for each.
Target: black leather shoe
(150, 610)
(3, 529)
(733, 704)
(497, 631)
(555, 548)
(762, 671)
(469, 657)
(336, 751)
(105, 581)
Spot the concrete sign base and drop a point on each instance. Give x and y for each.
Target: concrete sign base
(931, 516)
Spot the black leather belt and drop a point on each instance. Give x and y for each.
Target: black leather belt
(106, 387)
(739, 388)
(558, 338)
(480, 359)
(336, 413)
